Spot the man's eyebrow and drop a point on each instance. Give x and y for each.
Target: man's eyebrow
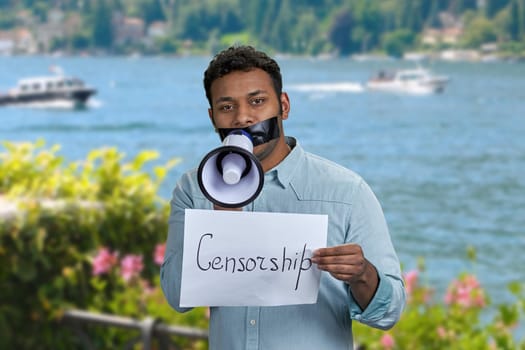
(224, 99)
(256, 92)
(229, 99)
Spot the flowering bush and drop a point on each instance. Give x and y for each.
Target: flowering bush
(134, 295)
(456, 323)
(59, 215)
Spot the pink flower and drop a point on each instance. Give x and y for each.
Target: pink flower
(131, 266)
(147, 287)
(442, 332)
(158, 255)
(411, 281)
(104, 261)
(465, 292)
(387, 341)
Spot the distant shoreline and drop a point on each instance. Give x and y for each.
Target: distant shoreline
(442, 56)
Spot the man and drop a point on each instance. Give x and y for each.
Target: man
(361, 277)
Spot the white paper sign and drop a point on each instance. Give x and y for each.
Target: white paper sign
(236, 258)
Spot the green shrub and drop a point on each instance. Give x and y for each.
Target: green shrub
(65, 214)
(458, 322)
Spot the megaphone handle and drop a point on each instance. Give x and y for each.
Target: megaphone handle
(247, 160)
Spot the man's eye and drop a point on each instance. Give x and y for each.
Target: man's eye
(257, 101)
(226, 108)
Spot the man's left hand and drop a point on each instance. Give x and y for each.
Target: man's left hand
(345, 262)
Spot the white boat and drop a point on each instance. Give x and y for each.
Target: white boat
(58, 91)
(411, 81)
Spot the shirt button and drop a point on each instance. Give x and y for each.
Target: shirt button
(252, 322)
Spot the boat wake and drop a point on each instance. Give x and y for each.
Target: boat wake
(338, 87)
(94, 103)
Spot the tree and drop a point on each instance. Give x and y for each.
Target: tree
(305, 32)
(102, 25)
(7, 20)
(230, 21)
(387, 10)
(515, 25)
(80, 41)
(340, 32)
(410, 14)
(492, 7)
(479, 31)
(40, 10)
(369, 25)
(270, 11)
(251, 12)
(281, 30)
(433, 15)
(195, 25)
(397, 42)
(522, 18)
(151, 11)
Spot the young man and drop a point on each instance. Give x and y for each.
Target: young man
(361, 277)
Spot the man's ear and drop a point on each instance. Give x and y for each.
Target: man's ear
(285, 105)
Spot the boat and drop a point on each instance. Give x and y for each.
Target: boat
(412, 81)
(55, 91)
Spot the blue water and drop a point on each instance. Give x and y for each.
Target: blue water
(448, 169)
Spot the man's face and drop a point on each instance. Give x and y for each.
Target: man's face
(241, 99)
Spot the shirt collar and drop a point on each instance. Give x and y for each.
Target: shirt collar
(285, 170)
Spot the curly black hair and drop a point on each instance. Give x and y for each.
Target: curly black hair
(241, 58)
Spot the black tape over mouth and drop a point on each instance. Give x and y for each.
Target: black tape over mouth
(260, 133)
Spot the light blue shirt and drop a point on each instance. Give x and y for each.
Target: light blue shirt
(301, 183)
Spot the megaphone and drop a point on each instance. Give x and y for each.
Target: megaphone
(230, 176)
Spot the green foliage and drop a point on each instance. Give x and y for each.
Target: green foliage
(65, 214)
(80, 41)
(237, 38)
(340, 32)
(513, 49)
(40, 10)
(397, 42)
(6, 20)
(166, 45)
(297, 26)
(478, 31)
(459, 322)
(102, 29)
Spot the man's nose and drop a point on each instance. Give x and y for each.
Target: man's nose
(244, 117)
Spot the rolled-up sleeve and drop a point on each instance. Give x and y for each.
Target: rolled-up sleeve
(369, 229)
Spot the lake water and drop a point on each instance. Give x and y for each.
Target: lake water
(448, 169)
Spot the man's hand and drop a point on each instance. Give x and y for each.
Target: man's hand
(348, 264)
(216, 207)
(345, 262)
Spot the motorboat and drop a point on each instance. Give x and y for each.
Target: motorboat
(411, 81)
(56, 91)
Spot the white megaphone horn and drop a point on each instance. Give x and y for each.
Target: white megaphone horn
(231, 176)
